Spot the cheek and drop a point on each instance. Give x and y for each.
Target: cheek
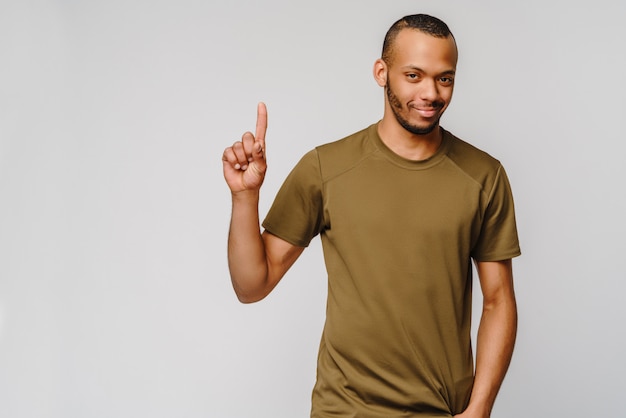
(448, 94)
(393, 99)
(404, 97)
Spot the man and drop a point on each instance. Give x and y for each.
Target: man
(402, 208)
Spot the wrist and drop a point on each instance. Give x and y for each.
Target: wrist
(245, 196)
(478, 410)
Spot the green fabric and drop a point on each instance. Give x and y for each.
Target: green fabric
(398, 237)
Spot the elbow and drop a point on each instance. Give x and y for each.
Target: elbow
(504, 305)
(248, 296)
(252, 287)
(247, 299)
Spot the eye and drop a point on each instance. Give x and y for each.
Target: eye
(412, 76)
(446, 80)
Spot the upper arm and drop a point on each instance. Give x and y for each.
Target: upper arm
(280, 256)
(496, 280)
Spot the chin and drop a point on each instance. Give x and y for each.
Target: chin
(420, 129)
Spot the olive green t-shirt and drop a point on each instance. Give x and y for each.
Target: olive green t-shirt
(398, 237)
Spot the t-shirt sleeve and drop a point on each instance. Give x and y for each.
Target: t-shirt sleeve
(498, 238)
(297, 211)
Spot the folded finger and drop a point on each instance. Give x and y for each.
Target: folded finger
(240, 155)
(230, 157)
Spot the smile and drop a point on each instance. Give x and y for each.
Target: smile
(426, 112)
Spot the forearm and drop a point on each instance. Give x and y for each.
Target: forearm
(247, 259)
(495, 342)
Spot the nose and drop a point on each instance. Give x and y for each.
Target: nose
(428, 90)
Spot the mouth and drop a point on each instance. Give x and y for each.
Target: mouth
(426, 109)
(426, 112)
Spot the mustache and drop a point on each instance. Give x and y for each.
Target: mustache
(436, 105)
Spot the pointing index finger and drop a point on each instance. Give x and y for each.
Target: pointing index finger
(261, 123)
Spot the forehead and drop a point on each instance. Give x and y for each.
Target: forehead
(413, 47)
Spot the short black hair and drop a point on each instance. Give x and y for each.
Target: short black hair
(421, 22)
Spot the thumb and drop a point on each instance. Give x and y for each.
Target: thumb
(259, 150)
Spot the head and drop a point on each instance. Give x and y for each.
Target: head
(417, 69)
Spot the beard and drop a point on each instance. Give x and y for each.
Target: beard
(396, 108)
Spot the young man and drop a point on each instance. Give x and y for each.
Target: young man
(402, 208)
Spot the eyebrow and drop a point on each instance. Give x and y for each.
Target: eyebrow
(416, 68)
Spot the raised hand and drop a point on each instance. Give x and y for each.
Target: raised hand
(244, 162)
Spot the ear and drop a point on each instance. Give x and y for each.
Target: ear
(380, 72)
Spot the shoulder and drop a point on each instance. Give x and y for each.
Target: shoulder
(464, 154)
(333, 158)
(474, 162)
(341, 155)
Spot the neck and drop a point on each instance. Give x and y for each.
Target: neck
(409, 145)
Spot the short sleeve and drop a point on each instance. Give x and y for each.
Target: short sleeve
(498, 238)
(297, 211)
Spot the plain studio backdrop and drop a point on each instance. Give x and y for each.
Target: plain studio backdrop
(115, 298)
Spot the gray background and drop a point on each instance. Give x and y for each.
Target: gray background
(115, 299)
